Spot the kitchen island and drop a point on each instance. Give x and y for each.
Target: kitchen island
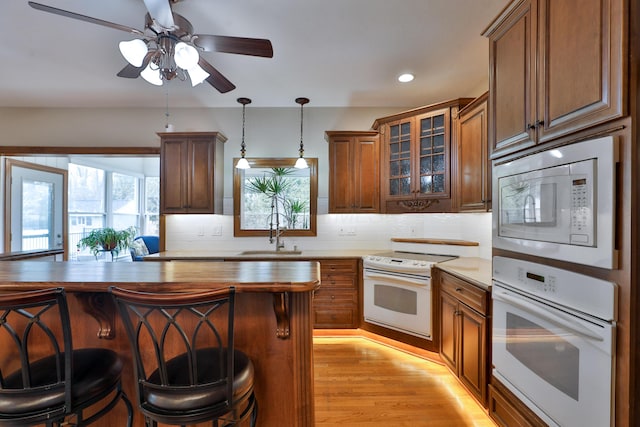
(273, 322)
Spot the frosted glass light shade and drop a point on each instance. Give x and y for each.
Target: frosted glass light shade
(151, 75)
(186, 56)
(134, 51)
(243, 164)
(301, 163)
(197, 75)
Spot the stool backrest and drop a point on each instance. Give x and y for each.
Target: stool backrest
(167, 329)
(35, 325)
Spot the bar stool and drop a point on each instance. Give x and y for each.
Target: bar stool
(186, 367)
(43, 380)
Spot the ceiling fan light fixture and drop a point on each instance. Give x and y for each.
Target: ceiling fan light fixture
(151, 75)
(134, 51)
(197, 75)
(186, 56)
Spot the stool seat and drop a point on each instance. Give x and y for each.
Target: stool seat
(96, 372)
(181, 396)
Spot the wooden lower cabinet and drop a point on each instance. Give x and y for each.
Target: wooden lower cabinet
(464, 333)
(507, 411)
(336, 302)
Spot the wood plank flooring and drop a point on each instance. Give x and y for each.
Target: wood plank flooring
(361, 383)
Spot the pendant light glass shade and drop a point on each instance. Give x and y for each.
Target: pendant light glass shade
(242, 162)
(197, 75)
(134, 51)
(301, 163)
(151, 75)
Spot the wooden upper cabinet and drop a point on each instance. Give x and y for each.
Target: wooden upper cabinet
(472, 170)
(555, 67)
(354, 171)
(191, 172)
(416, 158)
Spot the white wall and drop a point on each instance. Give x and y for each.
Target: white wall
(269, 132)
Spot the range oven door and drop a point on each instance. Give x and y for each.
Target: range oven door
(398, 301)
(559, 364)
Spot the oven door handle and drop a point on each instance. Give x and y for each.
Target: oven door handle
(555, 318)
(411, 281)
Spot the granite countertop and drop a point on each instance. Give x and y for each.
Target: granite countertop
(475, 270)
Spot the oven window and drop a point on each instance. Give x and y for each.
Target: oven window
(548, 355)
(395, 299)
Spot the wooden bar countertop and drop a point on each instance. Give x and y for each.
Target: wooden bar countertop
(273, 319)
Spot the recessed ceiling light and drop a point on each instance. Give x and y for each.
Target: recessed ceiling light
(405, 78)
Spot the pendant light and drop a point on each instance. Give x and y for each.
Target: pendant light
(301, 163)
(242, 162)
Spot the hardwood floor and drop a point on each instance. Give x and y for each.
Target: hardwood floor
(359, 382)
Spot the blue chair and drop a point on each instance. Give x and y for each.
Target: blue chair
(144, 245)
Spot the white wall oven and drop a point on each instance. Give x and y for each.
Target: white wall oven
(397, 291)
(554, 340)
(559, 203)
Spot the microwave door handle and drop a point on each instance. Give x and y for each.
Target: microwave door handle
(398, 279)
(555, 318)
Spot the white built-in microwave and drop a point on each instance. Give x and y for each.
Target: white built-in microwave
(559, 203)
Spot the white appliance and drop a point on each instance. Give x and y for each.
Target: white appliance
(397, 291)
(554, 341)
(559, 203)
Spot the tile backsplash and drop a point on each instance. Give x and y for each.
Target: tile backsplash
(336, 231)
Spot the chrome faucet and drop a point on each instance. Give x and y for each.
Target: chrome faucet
(275, 235)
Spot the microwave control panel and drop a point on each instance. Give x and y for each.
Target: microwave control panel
(581, 212)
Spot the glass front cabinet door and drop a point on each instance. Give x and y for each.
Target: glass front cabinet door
(417, 159)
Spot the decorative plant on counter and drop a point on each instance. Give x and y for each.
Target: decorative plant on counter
(108, 239)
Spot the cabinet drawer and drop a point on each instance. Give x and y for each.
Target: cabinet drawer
(338, 297)
(343, 317)
(337, 281)
(467, 293)
(339, 266)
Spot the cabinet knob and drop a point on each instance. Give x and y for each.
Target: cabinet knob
(459, 289)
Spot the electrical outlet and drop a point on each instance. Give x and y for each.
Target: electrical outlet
(217, 231)
(201, 231)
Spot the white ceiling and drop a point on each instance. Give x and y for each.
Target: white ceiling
(338, 53)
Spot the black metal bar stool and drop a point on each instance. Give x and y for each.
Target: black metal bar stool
(43, 380)
(187, 369)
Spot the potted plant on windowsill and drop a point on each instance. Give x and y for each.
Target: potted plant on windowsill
(107, 239)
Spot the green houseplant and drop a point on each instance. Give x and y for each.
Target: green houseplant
(108, 239)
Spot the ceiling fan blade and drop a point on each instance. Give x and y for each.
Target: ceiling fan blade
(133, 72)
(216, 79)
(239, 45)
(66, 13)
(160, 10)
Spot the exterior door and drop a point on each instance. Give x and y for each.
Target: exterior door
(36, 201)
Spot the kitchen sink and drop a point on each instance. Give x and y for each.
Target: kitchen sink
(270, 252)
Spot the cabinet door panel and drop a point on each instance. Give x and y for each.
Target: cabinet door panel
(367, 182)
(473, 169)
(173, 183)
(580, 71)
(512, 74)
(201, 176)
(448, 330)
(340, 182)
(473, 366)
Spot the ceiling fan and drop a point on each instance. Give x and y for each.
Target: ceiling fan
(168, 48)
